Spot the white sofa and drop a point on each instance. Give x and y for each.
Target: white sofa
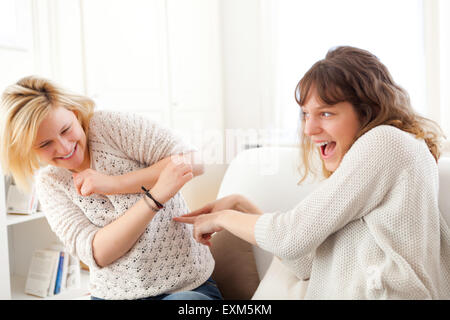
(268, 176)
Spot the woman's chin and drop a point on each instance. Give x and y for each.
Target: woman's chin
(331, 165)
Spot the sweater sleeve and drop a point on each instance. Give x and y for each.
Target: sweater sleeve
(366, 173)
(66, 219)
(136, 136)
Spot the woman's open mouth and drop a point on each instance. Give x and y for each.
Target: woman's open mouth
(70, 155)
(327, 149)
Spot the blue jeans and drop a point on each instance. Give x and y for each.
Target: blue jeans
(207, 291)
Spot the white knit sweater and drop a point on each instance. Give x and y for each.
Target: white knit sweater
(165, 258)
(373, 230)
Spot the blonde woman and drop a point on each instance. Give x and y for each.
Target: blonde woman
(372, 229)
(95, 167)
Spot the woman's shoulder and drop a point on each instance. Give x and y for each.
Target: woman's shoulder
(388, 143)
(106, 117)
(388, 134)
(116, 118)
(111, 123)
(51, 177)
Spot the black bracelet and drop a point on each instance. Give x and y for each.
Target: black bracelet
(152, 207)
(147, 192)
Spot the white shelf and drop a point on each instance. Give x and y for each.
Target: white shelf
(12, 219)
(18, 288)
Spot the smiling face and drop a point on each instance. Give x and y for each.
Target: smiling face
(332, 128)
(61, 141)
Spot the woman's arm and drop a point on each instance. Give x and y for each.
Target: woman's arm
(234, 213)
(245, 205)
(117, 238)
(131, 182)
(90, 181)
(238, 223)
(363, 179)
(232, 202)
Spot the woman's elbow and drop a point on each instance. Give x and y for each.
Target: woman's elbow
(99, 253)
(99, 259)
(294, 251)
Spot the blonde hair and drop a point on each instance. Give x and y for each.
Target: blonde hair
(349, 74)
(24, 105)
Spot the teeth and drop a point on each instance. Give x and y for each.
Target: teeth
(322, 144)
(70, 154)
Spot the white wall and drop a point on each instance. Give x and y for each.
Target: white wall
(161, 58)
(241, 62)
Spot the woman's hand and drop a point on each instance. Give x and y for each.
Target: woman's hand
(225, 203)
(204, 225)
(238, 223)
(231, 202)
(90, 181)
(174, 176)
(213, 210)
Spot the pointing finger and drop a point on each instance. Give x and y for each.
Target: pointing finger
(189, 220)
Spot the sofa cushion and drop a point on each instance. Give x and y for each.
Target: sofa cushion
(279, 283)
(235, 270)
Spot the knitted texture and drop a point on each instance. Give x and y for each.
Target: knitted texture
(373, 230)
(165, 258)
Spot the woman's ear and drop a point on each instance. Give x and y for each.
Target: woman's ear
(365, 114)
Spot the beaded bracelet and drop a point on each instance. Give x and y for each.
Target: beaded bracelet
(147, 193)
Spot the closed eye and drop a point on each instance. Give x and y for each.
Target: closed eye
(49, 142)
(45, 145)
(65, 130)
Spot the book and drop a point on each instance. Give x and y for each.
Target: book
(65, 269)
(51, 288)
(41, 271)
(18, 202)
(59, 273)
(71, 278)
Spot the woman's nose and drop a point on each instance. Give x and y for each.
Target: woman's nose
(64, 147)
(312, 127)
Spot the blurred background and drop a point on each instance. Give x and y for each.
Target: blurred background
(218, 71)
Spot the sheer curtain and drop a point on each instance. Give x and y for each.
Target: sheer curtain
(393, 30)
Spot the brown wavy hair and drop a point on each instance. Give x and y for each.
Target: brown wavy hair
(349, 74)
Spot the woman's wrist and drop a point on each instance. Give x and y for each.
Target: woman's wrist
(159, 196)
(238, 201)
(238, 223)
(223, 217)
(241, 204)
(151, 204)
(244, 205)
(120, 184)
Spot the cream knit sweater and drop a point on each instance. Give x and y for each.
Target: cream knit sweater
(373, 230)
(165, 258)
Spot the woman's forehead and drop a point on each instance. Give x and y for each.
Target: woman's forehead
(313, 100)
(56, 119)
